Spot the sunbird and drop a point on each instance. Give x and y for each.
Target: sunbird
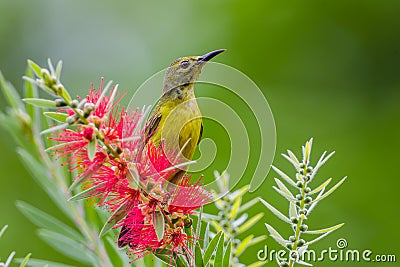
(176, 121)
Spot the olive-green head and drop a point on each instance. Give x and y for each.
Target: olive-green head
(185, 70)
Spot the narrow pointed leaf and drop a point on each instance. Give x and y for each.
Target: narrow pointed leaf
(46, 221)
(11, 95)
(330, 191)
(3, 230)
(41, 263)
(54, 129)
(276, 236)
(57, 116)
(248, 205)
(293, 157)
(226, 261)
(275, 211)
(235, 208)
(90, 192)
(243, 245)
(206, 238)
(325, 230)
(39, 102)
(198, 256)
(25, 261)
(284, 176)
(212, 246)
(284, 194)
(322, 186)
(92, 148)
(159, 224)
(318, 238)
(35, 67)
(119, 214)
(58, 70)
(250, 223)
(283, 188)
(9, 259)
(292, 210)
(257, 264)
(67, 246)
(257, 240)
(219, 253)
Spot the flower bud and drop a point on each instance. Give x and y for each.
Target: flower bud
(299, 184)
(294, 220)
(303, 227)
(188, 222)
(292, 238)
(307, 190)
(74, 103)
(301, 243)
(299, 197)
(60, 102)
(307, 200)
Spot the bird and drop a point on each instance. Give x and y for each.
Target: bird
(176, 120)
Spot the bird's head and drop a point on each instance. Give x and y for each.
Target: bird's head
(186, 70)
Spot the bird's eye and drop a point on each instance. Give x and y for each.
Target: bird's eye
(184, 64)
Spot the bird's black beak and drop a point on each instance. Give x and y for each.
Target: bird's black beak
(210, 55)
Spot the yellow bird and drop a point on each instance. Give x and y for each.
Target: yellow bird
(176, 120)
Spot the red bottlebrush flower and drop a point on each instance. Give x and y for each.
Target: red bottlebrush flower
(138, 232)
(188, 197)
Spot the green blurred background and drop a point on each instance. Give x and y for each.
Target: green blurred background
(329, 69)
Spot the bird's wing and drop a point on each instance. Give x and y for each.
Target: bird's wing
(152, 124)
(201, 133)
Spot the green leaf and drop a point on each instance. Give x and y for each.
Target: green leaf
(257, 240)
(275, 211)
(10, 94)
(65, 95)
(250, 223)
(3, 230)
(159, 224)
(330, 191)
(114, 253)
(58, 70)
(307, 151)
(57, 116)
(9, 260)
(41, 175)
(276, 236)
(206, 238)
(235, 208)
(67, 246)
(322, 186)
(54, 129)
(39, 102)
(35, 67)
(25, 261)
(325, 230)
(119, 214)
(92, 148)
(284, 176)
(41, 263)
(30, 91)
(292, 210)
(284, 194)
(256, 264)
(198, 256)
(248, 205)
(243, 245)
(227, 256)
(44, 220)
(90, 192)
(219, 253)
(211, 247)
